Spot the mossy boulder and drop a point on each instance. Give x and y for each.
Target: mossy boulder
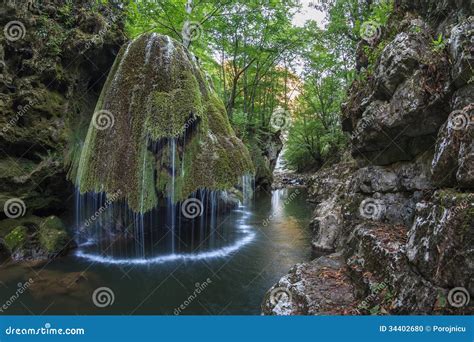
(53, 237)
(17, 238)
(160, 130)
(34, 238)
(6, 226)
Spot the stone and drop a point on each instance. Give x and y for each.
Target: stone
(53, 237)
(440, 240)
(452, 163)
(461, 50)
(320, 287)
(398, 61)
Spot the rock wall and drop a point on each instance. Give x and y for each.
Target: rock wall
(54, 59)
(400, 212)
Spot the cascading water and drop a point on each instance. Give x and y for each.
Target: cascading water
(101, 238)
(153, 185)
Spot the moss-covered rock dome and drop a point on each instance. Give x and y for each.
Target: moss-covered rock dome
(158, 130)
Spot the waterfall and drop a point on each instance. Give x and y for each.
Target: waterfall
(171, 205)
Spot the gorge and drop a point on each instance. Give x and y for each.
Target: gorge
(200, 172)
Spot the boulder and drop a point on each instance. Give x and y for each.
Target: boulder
(461, 51)
(53, 237)
(320, 287)
(32, 238)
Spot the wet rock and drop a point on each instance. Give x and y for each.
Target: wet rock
(326, 227)
(453, 161)
(327, 188)
(378, 251)
(320, 287)
(16, 242)
(402, 128)
(465, 173)
(330, 181)
(264, 153)
(461, 50)
(440, 240)
(33, 239)
(53, 238)
(180, 133)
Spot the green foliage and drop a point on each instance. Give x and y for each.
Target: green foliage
(438, 44)
(259, 61)
(381, 11)
(16, 238)
(310, 145)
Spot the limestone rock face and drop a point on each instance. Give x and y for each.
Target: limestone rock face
(325, 188)
(401, 214)
(453, 161)
(399, 58)
(462, 51)
(50, 78)
(440, 239)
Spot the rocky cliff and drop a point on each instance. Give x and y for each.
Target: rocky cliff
(54, 59)
(395, 221)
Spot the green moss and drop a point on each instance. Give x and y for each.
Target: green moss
(52, 235)
(153, 105)
(6, 226)
(52, 222)
(171, 110)
(17, 238)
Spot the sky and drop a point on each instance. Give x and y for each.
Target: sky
(308, 13)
